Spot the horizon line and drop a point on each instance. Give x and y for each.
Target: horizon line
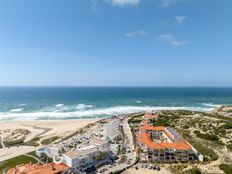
(113, 86)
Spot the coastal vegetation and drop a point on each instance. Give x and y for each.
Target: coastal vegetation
(14, 142)
(33, 142)
(227, 169)
(209, 133)
(49, 140)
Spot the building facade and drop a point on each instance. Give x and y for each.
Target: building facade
(164, 144)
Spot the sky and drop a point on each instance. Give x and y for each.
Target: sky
(115, 43)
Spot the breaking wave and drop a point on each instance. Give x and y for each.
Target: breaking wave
(83, 106)
(211, 105)
(17, 110)
(88, 113)
(59, 105)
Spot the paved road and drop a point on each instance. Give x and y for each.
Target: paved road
(130, 144)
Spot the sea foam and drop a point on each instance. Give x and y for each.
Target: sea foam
(17, 110)
(211, 105)
(59, 105)
(91, 113)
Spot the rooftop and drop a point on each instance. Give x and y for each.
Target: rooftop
(50, 168)
(83, 150)
(177, 142)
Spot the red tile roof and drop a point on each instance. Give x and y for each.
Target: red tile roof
(50, 168)
(144, 137)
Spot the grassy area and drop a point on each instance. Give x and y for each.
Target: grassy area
(208, 153)
(32, 153)
(33, 142)
(229, 146)
(49, 140)
(15, 161)
(206, 136)
(194, 170)
(227, 125)
(226, 168)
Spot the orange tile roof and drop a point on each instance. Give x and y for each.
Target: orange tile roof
(146, 139)
(38, 169)
(154, 128)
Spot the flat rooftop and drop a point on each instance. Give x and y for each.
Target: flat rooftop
(82, 151)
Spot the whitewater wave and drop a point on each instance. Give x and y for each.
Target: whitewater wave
(17, 110)
(83, 106)
(91, 113)
(59, 105)
(138, 101)
(211, 105)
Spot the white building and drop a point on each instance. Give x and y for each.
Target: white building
(50, 151)
(87, 157)
(111, 130)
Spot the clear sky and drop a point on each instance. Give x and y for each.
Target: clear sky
(116, 42)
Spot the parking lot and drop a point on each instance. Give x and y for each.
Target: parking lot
(147, 169)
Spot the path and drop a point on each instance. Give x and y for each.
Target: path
(2, 142)
(37, 159)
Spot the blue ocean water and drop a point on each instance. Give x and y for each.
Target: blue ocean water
(41, 103)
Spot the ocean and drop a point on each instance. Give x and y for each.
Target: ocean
(57, 103)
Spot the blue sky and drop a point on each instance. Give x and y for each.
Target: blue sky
(116, 42)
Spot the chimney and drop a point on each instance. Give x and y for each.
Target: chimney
(53, 167)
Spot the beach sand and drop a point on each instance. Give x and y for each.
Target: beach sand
(44, 129)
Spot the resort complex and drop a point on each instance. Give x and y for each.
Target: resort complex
(134, 143)
(86, 151)
(163, 143)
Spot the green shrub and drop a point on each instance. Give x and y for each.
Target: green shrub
(186, 127)
(14, 143)
(33, 142)
(226, 168)
(49, 140)
(194, 170)
(227, 125)
(229, 146)
(206, 136)
(207, 152)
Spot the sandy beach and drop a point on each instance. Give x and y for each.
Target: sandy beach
(43, 129)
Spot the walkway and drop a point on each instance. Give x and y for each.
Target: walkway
(2, 142)
(37, 159)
